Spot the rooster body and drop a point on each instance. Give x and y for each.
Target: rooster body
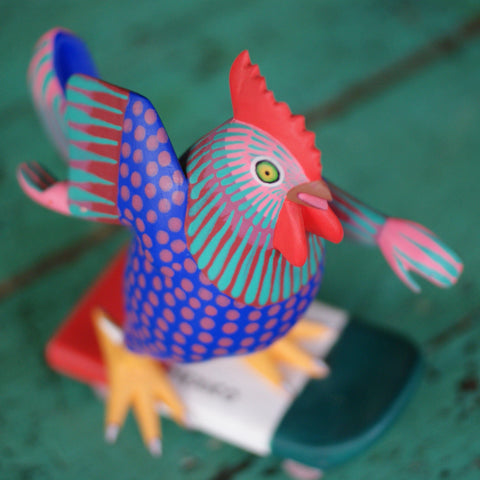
(228, 244)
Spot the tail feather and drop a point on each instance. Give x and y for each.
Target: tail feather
(58, 55)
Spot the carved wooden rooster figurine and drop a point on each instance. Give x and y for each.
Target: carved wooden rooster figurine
(228, 244)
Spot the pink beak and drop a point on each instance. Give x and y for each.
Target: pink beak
(304, 210)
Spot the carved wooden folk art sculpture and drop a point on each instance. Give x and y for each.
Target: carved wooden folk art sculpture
(228, 240)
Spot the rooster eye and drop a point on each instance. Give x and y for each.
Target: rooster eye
(267, 172)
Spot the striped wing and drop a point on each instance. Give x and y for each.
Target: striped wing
(408, 246)
(95, 112)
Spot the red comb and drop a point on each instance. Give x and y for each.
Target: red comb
(254, 104)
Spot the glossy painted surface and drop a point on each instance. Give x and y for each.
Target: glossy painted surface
(419, 135)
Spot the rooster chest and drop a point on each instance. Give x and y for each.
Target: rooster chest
(173, 312)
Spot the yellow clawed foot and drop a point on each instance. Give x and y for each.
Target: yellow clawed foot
(286, 351)
(135, 381)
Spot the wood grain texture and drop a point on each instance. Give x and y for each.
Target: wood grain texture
(409, 147)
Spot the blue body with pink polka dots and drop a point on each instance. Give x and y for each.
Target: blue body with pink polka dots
(173, 311)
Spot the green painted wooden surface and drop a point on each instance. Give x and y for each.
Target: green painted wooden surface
(409, 146)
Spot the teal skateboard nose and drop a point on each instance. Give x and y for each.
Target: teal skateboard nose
(373, 375)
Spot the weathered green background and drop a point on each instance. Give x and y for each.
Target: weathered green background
(392, 90)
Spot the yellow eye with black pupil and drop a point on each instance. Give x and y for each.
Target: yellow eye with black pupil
(267, 172)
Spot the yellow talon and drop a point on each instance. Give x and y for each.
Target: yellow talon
(287, 352)
(134, 381)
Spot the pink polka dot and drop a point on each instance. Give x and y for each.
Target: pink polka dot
(168, 283)
(150, 190)
(147, 241)
(162, 135)
(176, 266)
(266, 336)
(179, 338)
(147, 266)
(287, 315)
(127, 125)
(178, 197)
(164, 159)
(207, 323)
(136, 265)
(137, 202)
(152, 169)
(162, 237)
(284, 328)
(205, 337)
(147, 308)
(199, 348)
(137, 108)
(204, 294)
(271, 323)
(304, 291)
(137, 156)
(140, 225)
(187, 313)
(166, 256)
(302, 305)
(168, 314)
(125, 193)
(149, 257)
(138, 293)
(165, 183)
(178, 246)
(222, 300)
(150, 116)
(152, 143)
(168, 272)
(177, 177)
(128, 214)
(189, 265)
(153, 298)
(176, 358)
(204, 279)
(252, 327)
(169, 300)
(291, 302)
(238, 304)
(164, 205)
(139, 133)
(180, 294)
(220, 351)
(186, 328)
(162, 324)
(232, 314)
(187, 285)
(273, 310)
(210, 310)
(230, 328)
(136, 179)
(157, 283)
(255, 315)
(151, 216)
(141, 280)
(124, 170)
(175, 224)
(159, 334)
(225, 342)
(195, 357)
(246, 342)
(126, 150)
(194, 303)
(179, 350)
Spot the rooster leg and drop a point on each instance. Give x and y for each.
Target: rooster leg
(134, 381)
(287, 351)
